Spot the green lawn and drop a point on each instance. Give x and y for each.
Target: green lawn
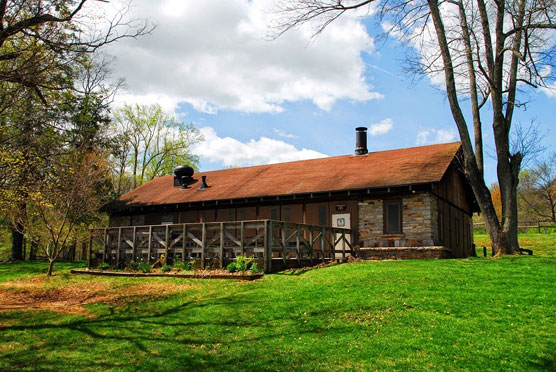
(473, 314)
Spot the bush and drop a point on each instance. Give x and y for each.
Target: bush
(103, 266)
(184, 265)
(145, 267)
(255, 268)
(243, 263)
(232, 267)
(134, 265)
(166, 268)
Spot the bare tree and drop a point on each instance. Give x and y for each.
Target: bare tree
(536, 190)
(42, 41)
(481, 51)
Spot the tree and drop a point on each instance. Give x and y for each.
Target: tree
(483, 51)
(151, 143)
(34, 136)
(41, 42)
(70, 194)
(44, 45)
(536, 190)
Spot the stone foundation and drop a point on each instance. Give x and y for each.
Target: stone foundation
(403, 253)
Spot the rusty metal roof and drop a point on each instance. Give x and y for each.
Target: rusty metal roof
(409, 166)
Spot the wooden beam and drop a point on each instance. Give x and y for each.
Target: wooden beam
(221, 245)
(150, 243)
(297, 250)
(119, 246)
(203, 246)
(134, 247)
(166, 240)
(242, 238)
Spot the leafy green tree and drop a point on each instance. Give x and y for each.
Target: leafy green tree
(150, 143)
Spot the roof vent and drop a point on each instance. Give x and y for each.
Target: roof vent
(361, 141)
(183, 176)
(204, 183)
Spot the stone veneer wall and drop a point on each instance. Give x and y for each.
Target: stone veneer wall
(419, 222)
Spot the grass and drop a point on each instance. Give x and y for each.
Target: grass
(470, 314)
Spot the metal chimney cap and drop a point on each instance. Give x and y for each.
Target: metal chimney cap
(361, 141)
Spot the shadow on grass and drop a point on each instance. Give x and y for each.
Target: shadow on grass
(157, 335)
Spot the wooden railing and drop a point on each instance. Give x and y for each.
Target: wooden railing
(275, 244)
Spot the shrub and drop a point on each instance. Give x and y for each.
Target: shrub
(166, 268)
(243, 263)
(184, 265)
(255, 268)
(232, 267)
(145, 267)
(103, 266)
(134, 265)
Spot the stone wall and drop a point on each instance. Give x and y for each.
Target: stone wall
(419, 223)
(403, 253)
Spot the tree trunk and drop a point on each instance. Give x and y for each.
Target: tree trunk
(17, 243)
(33, 251)
(50, 266)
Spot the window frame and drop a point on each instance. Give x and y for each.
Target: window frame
(385, 204)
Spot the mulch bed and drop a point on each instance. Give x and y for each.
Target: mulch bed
(196, 275)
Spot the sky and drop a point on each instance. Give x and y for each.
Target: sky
(259, 100)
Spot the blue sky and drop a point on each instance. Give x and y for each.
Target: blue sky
(260, 101)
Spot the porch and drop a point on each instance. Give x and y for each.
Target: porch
(275, 245)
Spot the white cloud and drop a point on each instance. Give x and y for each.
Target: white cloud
(215, 55)
(232, 152)
(283, 134)
(382, 127)
(430, 136)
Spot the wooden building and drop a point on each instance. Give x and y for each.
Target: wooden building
(406, 203)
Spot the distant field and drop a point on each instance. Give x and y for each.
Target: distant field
(467, 314)
(541, 244)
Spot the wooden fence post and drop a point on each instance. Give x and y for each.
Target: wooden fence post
(266, 245)
(90, 255)
(343, 245)
(322, 243)
(134, 241)
(284, 243)
(105, 246)
(183, 241)
(203, 244)
(119, 246)
(150, 243)
(297, 250)
(242, 239)
(166, 243)
(221, 245)
(270, 243)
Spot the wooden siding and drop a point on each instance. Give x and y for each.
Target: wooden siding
(454, 213)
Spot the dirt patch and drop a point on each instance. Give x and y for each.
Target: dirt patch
(34, 294)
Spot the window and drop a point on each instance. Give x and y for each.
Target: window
(167, 220)
(392, 216)
(274, 214)
(242, 214)
(322, 215)
(287, 214)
